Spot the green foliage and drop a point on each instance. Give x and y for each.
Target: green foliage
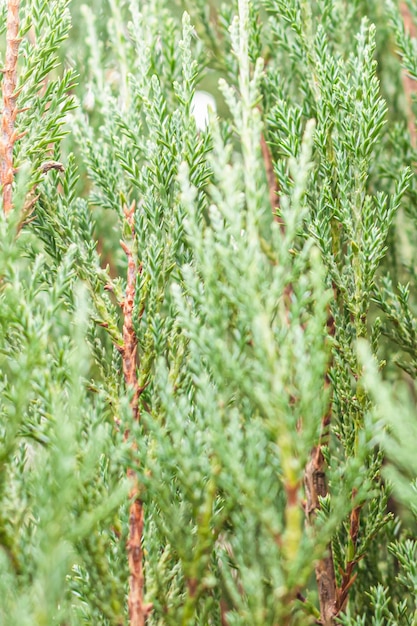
(273, 314)
(61, 459)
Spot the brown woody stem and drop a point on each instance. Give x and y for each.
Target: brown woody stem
(315, 485)
(138, 611)
(273, 187)
(348, 576)
(10, 111)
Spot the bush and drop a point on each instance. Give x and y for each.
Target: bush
(208, 332)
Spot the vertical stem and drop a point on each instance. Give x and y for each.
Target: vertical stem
(348, 575)
(224, 609)
(137, 609)
(273, 187)
(8, 134)
(315, 485)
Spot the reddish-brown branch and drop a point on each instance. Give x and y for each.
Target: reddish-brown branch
(273, 187)
(315, 486)
(332, 598)
(8, 133)
(138, 610)
(348, 576)
(224, 609)
(130, 342)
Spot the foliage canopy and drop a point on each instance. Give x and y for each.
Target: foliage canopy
(208, 336)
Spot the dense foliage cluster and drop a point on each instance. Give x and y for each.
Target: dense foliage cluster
(208, 332)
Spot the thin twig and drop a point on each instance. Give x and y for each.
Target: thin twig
(316, 488)
(224, 609)
(270, 175)
(32, 197)
(130, 342)
(51, 165)
(10, 111)
(273, 187)
(348, 576)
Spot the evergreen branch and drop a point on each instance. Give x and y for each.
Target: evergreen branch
(227, 321)
(10, 111)
(314, 477)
